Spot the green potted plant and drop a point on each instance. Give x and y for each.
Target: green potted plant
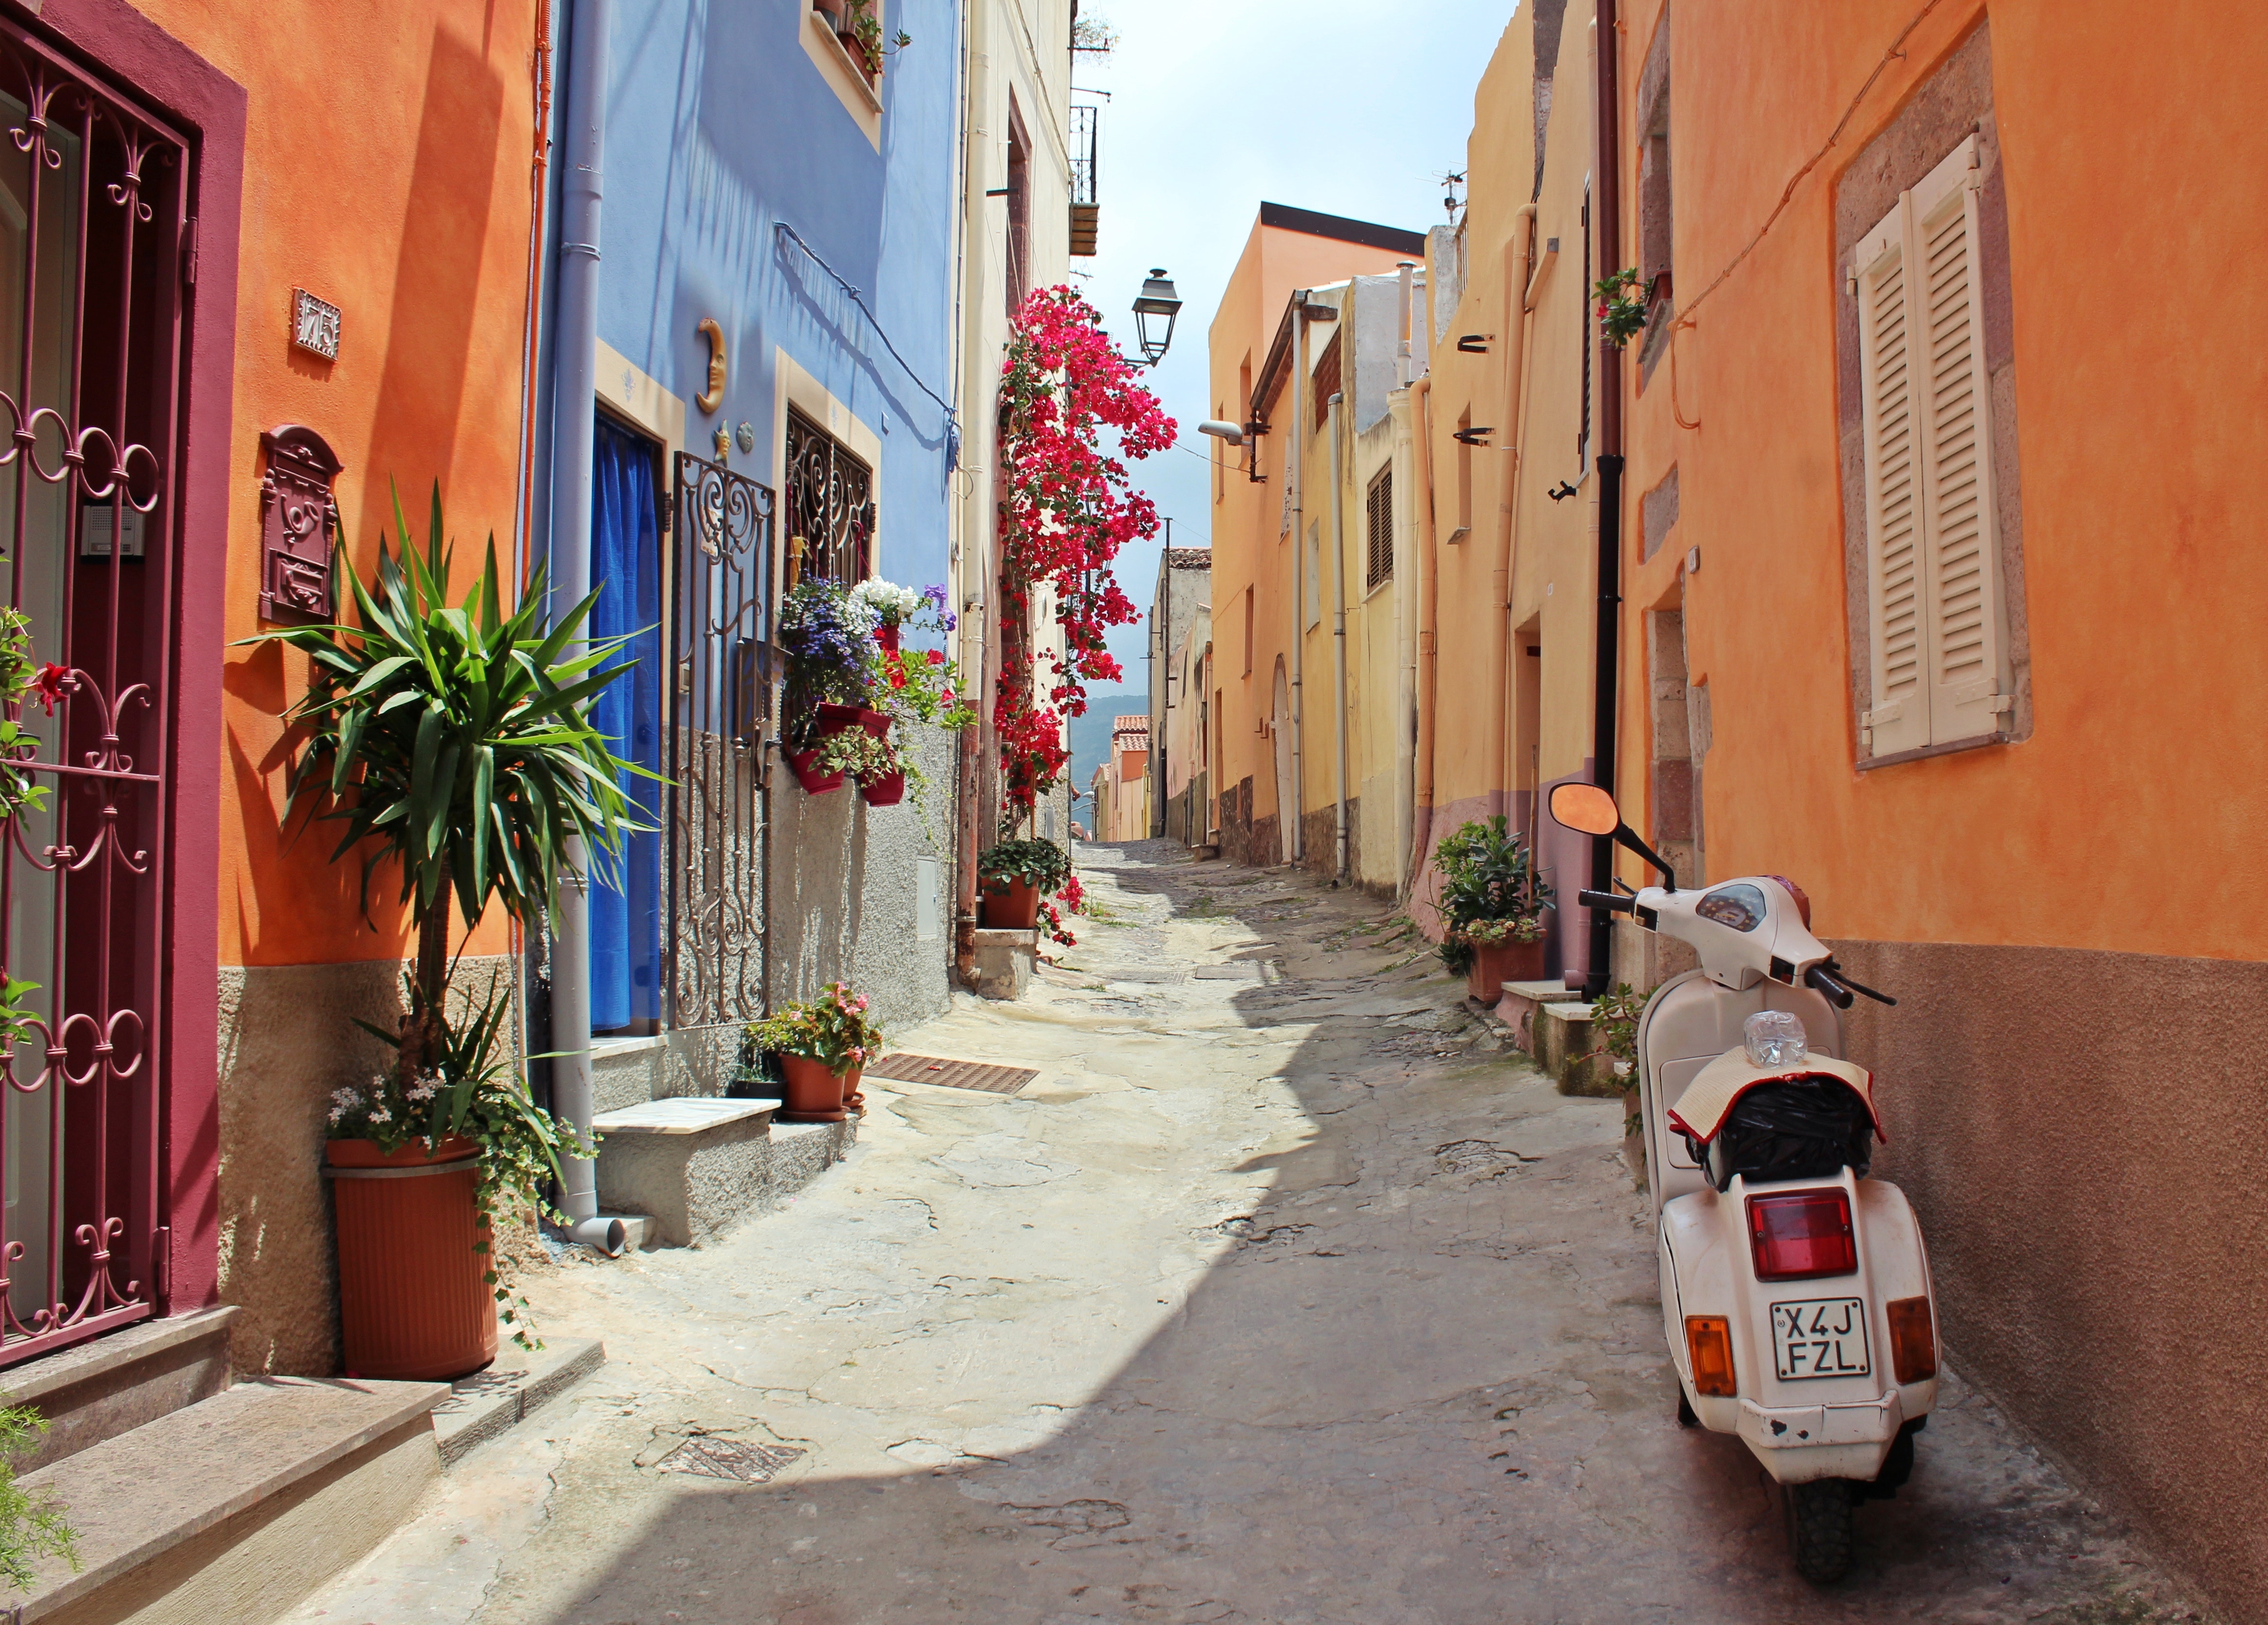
(821, 1047)
(454, 741)
(1492, 903)
(826, 640)
(1014, 875)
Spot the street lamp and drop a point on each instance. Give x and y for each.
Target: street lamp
(1158, 303)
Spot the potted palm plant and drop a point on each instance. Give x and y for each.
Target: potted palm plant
(453, 741)
(820, 1048)
(1492, 902)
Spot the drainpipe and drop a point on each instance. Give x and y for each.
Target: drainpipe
(1338, 643)
(1429, 596)
(1405, 614)
(1515, 349)
(575, 392)
(1294, 845)
(1607, 118)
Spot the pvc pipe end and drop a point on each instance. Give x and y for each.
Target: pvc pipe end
(608, 1234)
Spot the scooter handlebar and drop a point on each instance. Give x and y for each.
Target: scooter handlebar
(1818, 977)
(1613, 900)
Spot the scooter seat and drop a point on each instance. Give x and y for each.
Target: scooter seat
(1701, 1111)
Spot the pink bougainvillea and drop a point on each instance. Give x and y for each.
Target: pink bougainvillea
(1066, 509)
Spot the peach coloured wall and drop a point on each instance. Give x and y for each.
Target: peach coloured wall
(387, 170)
(1246, 517)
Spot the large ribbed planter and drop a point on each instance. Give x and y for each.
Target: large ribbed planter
(1010, 904)
(413, 1306)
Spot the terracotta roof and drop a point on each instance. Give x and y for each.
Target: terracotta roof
(1190, 559)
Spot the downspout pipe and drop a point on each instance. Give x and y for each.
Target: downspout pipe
(573, 411)
(1429, 600)
(1338, 645)
(1606, 110)
(1293, 844)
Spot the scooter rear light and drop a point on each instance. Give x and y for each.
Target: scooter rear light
(1913, 1340)
(1709, 1339)
(1796, 1236)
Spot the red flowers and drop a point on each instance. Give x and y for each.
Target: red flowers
(1066, 511)
(50, 685)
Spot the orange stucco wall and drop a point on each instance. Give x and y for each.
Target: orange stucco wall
(387, 170)
(1246, 551)
(2127, 821)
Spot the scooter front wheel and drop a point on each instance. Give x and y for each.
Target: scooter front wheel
(1819, 1528)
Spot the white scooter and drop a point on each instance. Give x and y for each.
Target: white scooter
(1795, 1291)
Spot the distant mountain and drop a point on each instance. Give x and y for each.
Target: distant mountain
(1090, 734)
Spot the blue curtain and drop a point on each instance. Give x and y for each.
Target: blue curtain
(626, 568)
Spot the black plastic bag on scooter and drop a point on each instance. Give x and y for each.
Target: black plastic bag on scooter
(1800, 1128)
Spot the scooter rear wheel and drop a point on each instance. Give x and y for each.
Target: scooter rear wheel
(1819, 1528)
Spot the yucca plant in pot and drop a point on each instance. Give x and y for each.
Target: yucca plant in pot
(454, 739)
(1491, 902)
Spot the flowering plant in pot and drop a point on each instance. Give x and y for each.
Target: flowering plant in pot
(1015, 876)
(821, 1046)
(1491, 902)
(453, 742)
(827, 637)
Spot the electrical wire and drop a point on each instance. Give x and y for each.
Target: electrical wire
(952, 419)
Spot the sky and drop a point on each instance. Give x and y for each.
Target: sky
(1199, 131)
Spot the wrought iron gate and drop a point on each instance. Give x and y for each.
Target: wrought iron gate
(721, 710)
(94, 249)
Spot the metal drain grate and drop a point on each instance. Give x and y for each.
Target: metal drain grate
(734, 1458)
(992, 1080)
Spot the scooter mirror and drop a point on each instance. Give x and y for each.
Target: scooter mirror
(1585, 808)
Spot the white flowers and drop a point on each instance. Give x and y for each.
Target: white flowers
(343, 1101)
(888, 603)
(425, 1088)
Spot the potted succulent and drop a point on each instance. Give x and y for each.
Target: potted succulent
(453, 741)
(821, 1046)
(1014, 875)
(1491, 902)
(870, 758)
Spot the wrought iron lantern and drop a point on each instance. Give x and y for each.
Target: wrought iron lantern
(1153, 315)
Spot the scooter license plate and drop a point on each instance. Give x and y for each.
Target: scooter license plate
(1820, 1337)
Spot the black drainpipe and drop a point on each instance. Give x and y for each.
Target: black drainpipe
(1607, 172)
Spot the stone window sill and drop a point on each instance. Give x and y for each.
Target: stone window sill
(1867, 763)
(827, 40)
(606, 1049)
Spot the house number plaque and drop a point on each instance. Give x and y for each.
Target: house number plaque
(314, 324)
(298, 520)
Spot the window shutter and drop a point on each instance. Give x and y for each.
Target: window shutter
(1898, 717)
(1966, 615)
(1935, 602)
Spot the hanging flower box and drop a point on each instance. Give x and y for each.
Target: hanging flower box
(807, 775)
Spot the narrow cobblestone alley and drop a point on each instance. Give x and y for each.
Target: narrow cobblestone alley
(1284, 1293)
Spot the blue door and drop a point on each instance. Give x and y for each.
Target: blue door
(626, 906)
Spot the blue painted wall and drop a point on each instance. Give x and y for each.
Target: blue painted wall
(718, 126)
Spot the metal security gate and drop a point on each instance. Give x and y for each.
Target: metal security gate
(95, 246)
(721, 710)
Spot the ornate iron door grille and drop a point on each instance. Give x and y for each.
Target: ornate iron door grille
(95, 245)
(722, 709)
(830, 503)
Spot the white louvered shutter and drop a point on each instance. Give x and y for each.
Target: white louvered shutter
(1935, 600)
(1966, 618)
(1897, 718)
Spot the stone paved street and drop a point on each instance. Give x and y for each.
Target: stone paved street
(1283, 1294)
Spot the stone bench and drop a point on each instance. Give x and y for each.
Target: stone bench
(693, 1164)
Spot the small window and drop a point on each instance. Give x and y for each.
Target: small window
(1378, 513)
(830, 505)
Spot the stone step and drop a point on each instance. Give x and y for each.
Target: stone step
(694, 1165)
(1005, 960)
(113, 1385)
(234, 1508)
(489, 1404)
(1518, 1006)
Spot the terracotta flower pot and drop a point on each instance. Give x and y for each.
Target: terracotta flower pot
(413, 1306)
(814, 782)
(854, 1099)
(1010, 904)
(814, 1095)
(831, 10)
(887, 790)
(834, 719)
(1495, 964)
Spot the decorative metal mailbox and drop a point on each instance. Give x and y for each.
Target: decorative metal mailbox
(298, 519)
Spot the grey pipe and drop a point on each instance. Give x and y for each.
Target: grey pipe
(1294, 842)
(1339, 635)
(574, 395)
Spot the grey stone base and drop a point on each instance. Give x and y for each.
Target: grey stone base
(694, 1178)
(1004, 963)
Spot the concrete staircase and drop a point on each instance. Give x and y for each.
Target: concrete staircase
(680, 1161)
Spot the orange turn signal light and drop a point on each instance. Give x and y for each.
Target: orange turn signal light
(1913, 1340)
(1709, 1339)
